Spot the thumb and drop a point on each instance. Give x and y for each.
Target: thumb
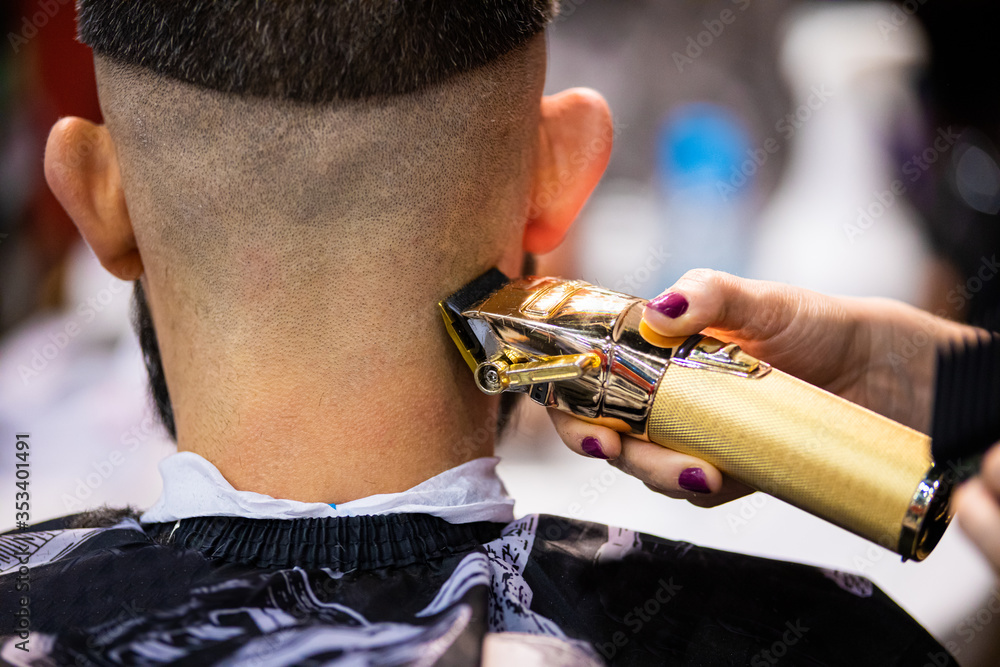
(705, 299)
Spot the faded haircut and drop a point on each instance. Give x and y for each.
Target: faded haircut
(313, 52)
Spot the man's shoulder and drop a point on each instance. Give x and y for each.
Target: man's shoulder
(558, 538)
(102, 517)
(667, 593)
(68, 536)
(79, 570)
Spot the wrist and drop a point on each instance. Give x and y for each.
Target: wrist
(902, 345)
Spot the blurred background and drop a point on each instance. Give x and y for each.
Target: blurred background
(847, 147)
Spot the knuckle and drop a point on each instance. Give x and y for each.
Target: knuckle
(623, 464)
(706, 277)
(991, 461)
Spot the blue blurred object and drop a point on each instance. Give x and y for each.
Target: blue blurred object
(706, 170)
(699, 144)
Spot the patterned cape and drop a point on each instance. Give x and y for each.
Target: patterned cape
(413, 589)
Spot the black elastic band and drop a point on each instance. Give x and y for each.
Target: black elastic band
(341, 543)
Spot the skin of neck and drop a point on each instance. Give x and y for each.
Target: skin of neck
(317, 406)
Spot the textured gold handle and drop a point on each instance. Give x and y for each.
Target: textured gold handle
(801, 444)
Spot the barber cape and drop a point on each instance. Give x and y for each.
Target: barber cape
(437, 575)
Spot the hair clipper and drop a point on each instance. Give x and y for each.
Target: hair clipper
(584, 350)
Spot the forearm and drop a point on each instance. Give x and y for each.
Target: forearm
(896, 375)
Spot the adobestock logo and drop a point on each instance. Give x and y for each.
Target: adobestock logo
(632, 282)
(779, 649)
(786, 128)
(960, 296)
(102, 470)
(47, 9)
(86, 312)
(913, 169)
(639, 616)
(898, 17)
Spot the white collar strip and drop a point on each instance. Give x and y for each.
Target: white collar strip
(192, 487)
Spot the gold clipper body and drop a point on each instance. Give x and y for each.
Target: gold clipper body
(584, 350)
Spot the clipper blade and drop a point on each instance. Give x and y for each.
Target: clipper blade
(458, 327)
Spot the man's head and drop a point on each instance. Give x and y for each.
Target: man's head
(284, 176)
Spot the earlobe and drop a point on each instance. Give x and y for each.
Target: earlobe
(81, 168)
(576, 135)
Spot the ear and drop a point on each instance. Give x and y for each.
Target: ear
(81, 167)
(575, 140)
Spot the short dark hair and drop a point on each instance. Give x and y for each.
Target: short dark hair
(142, 322)
(306, 51)
(311, 51)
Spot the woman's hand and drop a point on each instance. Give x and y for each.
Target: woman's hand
(977, 503)
(875, 352)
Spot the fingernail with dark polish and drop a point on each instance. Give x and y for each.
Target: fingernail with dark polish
(592, 446)
(672, 305)
(693, 479)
